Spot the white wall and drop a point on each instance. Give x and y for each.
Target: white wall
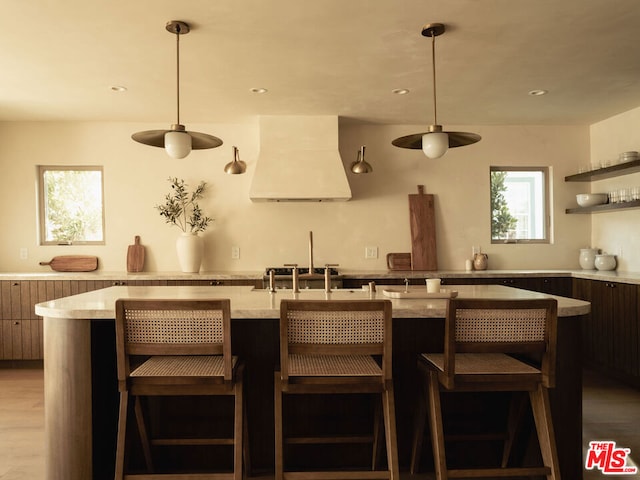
(275, 233)
(617, 232)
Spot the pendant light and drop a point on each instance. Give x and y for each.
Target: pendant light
(178, 142)
(435, 142)
(236, 166)
(360, 165)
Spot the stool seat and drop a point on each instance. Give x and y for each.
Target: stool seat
(205, 366)
(336, 365)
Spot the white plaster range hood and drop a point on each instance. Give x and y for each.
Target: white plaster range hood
(299, 161)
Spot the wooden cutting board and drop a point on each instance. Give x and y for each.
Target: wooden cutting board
(135, 256)
(73, 263)
(399, 261)
(423, 231)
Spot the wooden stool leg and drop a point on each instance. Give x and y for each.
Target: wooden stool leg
(246, 451)
(377, 428)
(389, 410)
(436, 427)
(279, 467)
(238, 430)
(144, 436)
(544, 426)
(418, 433)
(516, 412)
(122, 435)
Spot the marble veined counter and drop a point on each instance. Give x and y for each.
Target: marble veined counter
(247, 302)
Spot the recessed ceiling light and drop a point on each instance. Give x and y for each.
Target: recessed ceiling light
(538, 93)
(258, 90)
(400, 91)
(117, 88)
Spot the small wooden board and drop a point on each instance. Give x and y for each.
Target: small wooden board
(399, 261)
(420, 292)
(423, 231)
(135, 256)
(73, 263)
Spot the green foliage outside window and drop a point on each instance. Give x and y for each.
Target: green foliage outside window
(501, 219)
(71, 205)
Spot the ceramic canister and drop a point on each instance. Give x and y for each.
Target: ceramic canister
(605, 262)
(587, 258)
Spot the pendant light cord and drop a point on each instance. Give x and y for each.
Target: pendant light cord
(178, 74)
(433, 66)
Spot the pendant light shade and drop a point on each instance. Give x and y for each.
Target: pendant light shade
(361, 165)
(177, 142)
(435, 142)
(237, 166)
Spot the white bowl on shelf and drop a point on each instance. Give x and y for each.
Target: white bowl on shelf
(591, 199)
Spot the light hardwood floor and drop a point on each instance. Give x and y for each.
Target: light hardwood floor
(21, 424)
(611, 411)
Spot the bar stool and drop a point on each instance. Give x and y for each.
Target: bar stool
(175, 348)
(492, 346)
(328, 347)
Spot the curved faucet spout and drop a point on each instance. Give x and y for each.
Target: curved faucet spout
(311, 269)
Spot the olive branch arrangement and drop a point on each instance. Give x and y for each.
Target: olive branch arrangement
(181, 207)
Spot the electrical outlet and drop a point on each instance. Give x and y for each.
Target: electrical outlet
(370, 252)
(235, 253)
(24, 253)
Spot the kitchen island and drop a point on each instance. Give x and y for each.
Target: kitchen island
(81, 393)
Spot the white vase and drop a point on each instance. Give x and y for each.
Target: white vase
(587, 258)
(190, 248)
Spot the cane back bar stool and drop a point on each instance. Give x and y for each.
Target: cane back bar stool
(336, 347)
(492, 345)
(176, 348)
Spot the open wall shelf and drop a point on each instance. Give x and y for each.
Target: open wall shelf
(605, 207)
(606, 172)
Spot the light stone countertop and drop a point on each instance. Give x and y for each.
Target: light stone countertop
(247, 302)
(607, 276)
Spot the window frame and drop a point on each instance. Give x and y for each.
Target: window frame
(547, 234)
(41, 170)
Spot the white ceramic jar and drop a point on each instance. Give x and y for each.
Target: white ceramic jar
(605, 262)
(587, 258)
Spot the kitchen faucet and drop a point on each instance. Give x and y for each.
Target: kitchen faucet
(294, 276)
(311, 270)
(327, 276)
(311, 273)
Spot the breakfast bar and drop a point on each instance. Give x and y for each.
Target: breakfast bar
(81, 390)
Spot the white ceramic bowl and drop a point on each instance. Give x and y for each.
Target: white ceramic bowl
(591, 199)
(605, 262)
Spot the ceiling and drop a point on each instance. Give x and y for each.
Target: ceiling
(323, 57)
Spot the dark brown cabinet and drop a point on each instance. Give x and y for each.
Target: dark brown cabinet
(552, 285)
(21, 329)
(610, 333)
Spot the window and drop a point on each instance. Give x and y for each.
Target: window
(519, 204)
(70, 205)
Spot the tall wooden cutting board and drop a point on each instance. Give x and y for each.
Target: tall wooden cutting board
(423, 231)
(135, 256)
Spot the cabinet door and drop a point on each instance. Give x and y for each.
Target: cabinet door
(624, 323)
(610, 332)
